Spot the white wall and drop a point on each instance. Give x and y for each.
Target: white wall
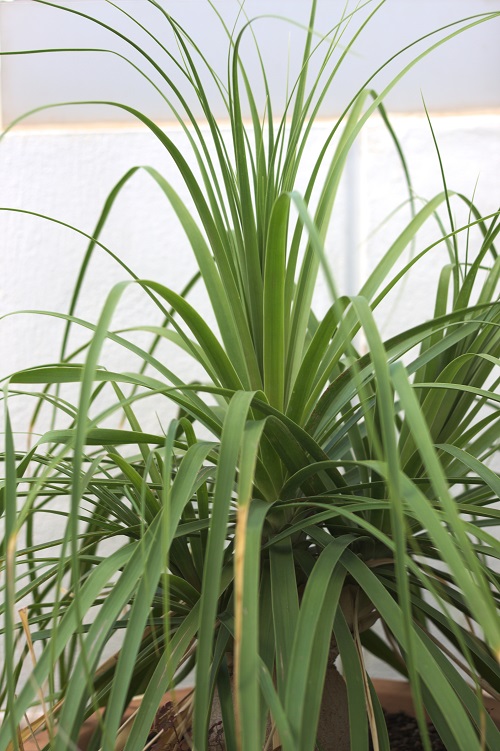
(67, 174)
(450, 78)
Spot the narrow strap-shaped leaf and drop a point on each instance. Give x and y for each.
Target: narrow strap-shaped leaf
(469, 698)
(252, 258)
(274, 303)
(251, 516)
(311, 261)
(278, 713)
(146, 556)
(249, 522)
(267, 647)
(428, 372)
(301, 88)
(222, 292)
(352, 672)
(11, 534)
(218, 358)
(73, 709)
(471, 577)
(291, 451)
(311, 361)
(381, 725)
(300, 478)
(226, 698)
(314, 629)
(318, 666)
(70, 623)
(385, 410)
(232, 434)
(139, 483)
(488, 475)
(161, 680)
(444, 696)
(108, 205)
(72, 373)
(285, 607)
(181, 492)
(19, 472)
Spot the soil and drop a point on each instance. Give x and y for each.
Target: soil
(404, 734)
(403, 731)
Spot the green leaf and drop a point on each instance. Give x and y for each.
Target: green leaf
(274, 303)
(231, 438)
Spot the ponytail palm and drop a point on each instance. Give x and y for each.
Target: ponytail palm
(305, 492)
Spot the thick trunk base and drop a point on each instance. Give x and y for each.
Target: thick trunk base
(333, 725)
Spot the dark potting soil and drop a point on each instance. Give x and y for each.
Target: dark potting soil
(404, 734)
(402, 729)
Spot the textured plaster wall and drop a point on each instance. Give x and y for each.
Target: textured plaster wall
(67, 174)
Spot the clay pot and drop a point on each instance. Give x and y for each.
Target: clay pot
(395, 696)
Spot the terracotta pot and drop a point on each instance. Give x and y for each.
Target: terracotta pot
(395, 696)
(90, 725)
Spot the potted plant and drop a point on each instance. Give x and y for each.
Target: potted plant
(305, 492)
